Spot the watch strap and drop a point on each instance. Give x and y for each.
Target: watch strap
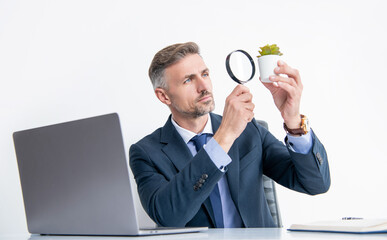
(302, 130)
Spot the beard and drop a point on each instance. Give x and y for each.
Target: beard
(200, 108)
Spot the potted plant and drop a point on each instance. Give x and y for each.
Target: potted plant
(267, 61)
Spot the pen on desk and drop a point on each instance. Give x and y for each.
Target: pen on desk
(351, 218)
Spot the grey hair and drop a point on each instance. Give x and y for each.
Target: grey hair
(167, 57)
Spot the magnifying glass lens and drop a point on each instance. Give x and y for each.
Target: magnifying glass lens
(240, 66)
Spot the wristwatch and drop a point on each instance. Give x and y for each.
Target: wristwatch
(304, 127)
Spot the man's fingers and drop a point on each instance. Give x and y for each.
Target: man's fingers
(250, 106)
(245, 97)
(287, 80)
(291, 90)
(284, 68)
(240, 89)
(250, 117)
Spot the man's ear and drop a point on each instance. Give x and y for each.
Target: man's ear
(162, 95)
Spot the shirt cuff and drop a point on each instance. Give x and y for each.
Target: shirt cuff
(301, 144)
(218, 156)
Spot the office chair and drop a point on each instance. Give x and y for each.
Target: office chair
(270, 192)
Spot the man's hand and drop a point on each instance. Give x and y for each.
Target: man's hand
(286, 93)
(238, 111)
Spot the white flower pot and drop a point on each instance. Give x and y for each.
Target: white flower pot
(266, 66)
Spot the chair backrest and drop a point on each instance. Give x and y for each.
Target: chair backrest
(270, 192)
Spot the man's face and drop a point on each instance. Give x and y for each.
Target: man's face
(189, 87)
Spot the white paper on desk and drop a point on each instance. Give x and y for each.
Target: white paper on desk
(349, 226)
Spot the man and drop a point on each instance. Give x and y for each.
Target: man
(181, 183)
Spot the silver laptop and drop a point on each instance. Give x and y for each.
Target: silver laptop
(75, 180)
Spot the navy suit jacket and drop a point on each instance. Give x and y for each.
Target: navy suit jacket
(166, 173)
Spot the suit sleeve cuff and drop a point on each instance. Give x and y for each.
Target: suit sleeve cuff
(218, 156)
(301, 144)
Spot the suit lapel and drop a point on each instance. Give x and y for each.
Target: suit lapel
(179, 154)
(175, 148)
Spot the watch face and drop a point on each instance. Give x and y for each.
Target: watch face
(305, 124)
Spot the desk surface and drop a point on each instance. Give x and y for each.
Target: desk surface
(240, 233)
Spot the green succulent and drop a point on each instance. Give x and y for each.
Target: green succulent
(269, 50)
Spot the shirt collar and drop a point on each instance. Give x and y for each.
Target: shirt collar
(187, 135)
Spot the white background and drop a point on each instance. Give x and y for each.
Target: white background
(65, 60)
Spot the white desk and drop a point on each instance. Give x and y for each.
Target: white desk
(252, 233)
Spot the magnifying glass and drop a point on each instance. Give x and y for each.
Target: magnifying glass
(240, 66)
